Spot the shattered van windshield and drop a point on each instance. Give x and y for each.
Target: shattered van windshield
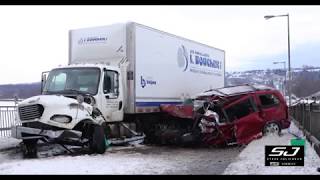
(73, 80)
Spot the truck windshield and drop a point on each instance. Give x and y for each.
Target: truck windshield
(73, 80)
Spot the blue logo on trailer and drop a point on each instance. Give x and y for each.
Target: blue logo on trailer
(194, 59)
(93, 39)
(144, 82)
(183, 58)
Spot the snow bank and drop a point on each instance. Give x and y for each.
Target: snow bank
(252, 159)
(8, 143)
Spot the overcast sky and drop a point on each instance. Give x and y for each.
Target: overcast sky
(35, 38)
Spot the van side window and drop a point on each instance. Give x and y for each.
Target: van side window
(239, 110)
(268, 100)
(111, 83)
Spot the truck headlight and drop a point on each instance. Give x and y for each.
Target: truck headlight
(90, 100)
(61, 118)
(76, 106)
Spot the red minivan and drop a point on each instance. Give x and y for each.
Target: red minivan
(233, 115)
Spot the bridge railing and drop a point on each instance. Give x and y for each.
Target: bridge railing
(308, 116)
(7, 120)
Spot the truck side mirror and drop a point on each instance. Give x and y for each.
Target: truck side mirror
(43, 79)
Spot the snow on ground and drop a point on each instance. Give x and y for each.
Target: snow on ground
(8, 143)
(252, 159)
(142, 159)
(9, 150)
(113, 163)
(136, 159)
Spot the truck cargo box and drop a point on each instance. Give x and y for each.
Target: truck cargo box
(158, 67)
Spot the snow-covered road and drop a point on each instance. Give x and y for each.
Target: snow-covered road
(139, 159)
(142, 159)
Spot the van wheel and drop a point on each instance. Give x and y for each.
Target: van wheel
(97, 142)
(29, 148)
(271, 128)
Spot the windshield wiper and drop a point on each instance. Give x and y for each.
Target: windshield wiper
(68, 91)
(77, 91)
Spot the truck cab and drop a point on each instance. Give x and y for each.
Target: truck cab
(100, 86)
(76, 105)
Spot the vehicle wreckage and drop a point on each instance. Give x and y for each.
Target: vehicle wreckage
(112, 87)
(116, 89)
(226, 116)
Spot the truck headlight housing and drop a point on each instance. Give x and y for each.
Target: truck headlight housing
(80, 99)
(90, 100)
(61, 118)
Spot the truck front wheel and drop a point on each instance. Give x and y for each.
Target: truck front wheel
(97, 142)
(29, 148)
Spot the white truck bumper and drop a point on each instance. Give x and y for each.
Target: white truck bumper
(32, 133)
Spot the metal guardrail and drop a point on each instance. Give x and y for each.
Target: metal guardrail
(7, 120)
(308, 116)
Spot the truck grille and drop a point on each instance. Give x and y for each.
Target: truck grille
(40, 125)
(30, 112)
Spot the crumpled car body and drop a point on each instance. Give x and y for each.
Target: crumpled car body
(242, 111)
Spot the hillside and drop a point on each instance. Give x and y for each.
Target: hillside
(306, 82)
(22, 91)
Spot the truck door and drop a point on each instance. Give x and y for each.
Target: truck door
(245, 117)
(112, 101)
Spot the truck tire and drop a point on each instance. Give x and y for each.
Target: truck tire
(29, 148)
(97, 140)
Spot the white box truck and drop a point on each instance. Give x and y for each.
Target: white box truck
(113, 85)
